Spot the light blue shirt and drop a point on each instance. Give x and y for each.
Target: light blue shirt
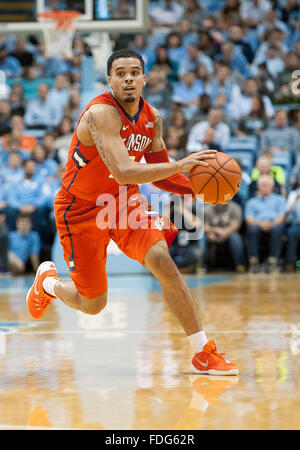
(265, 208)
(184, 94)
(27, 192)
(188, 65)
(46, 169)
(11, 67)
(48, 113)
(24, 245)
(11, 176)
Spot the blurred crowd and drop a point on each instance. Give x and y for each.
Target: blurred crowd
(224, 75)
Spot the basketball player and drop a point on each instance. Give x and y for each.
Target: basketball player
(114, 131)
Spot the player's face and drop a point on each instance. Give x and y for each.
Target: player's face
(127, 79)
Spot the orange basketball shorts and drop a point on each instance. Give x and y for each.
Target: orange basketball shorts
(85, 230)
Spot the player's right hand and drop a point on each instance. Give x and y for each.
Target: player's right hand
(194, 159)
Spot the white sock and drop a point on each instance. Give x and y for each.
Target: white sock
(48, 285)
(198, 340)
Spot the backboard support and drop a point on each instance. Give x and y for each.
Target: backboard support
(87, 22)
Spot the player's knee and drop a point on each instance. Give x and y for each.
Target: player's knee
(158, 260)
(95, 305)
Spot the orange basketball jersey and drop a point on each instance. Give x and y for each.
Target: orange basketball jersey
(86, 175)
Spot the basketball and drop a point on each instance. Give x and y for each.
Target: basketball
(218, 182)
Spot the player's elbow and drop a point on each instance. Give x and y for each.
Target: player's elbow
(124, 175)
(121, 177)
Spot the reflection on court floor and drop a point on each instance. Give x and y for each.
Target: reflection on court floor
(127, 368)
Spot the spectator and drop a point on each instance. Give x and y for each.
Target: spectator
(203, 75)
(187, 34)
(297, 49)
(254, 122)
(274, 62)
(31, 81)
(21, 53)
(222, 103)
(222, 225)
(273, 38)
(186, 94)
(281, 136)
(26, 198)
(234, 58)
(43, 113)
(139, 44)
(63, 137)
(253, 12)
(186, 249)
(12, 173)
(13, 146)
(265, 215)
(80, 47)
(4, 245)
(271, 22)
(209, 140)
(8, 64)
(222, 131)
(194, 14)
(192, 59)
(206, 43)
(166, 15)
(175, 150)
(236, 36)
(203, 110)
(24, 246)
(242, 106)
(5, 116)
(176, 51)
(59, 94)
(295, 37)
(293, 231)
(264, 166)
(3, 196)
(48, 141)
(265, 82)
(73, 108)
(158, 91)
(45, 167)
(292, 63)
(176, 124)
(165, 64)
(25, 141)
(243, 193)
(75, 70)
(223, 84)
(17, 103)
(296, 123)
(49, 191)
(289, 10)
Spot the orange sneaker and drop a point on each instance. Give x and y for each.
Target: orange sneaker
(37, 299)
(38, 418)
(210, 362)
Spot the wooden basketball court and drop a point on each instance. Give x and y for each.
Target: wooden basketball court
(127, 368)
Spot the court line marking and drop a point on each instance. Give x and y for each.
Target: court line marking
(119, 330)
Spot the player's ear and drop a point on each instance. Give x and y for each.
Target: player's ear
(109, 81)
(144, 76)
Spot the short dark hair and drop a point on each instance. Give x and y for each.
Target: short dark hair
(124, 53)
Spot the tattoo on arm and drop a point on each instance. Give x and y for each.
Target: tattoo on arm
(159, 129)
(96, 135)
